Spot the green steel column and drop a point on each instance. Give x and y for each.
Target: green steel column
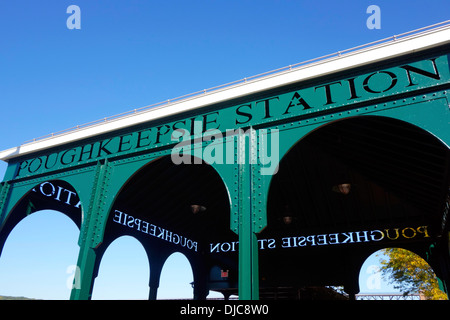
(90, 235)
(156, 261)
(84, 274)
(248, 244)
(248, 264)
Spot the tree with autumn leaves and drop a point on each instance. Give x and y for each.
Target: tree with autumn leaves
(410, 274)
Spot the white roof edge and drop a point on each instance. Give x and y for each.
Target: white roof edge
(350, 60)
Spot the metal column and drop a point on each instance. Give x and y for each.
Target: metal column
(90, 235)
(248, 242)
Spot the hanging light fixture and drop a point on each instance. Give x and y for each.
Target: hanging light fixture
(197, 208)
(287, 217)
(198, 202)
(342, 188)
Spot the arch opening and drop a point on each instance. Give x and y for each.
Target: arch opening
(112, 283)
(55, 195)
(183, 205)
(172, 208)
(177, 278)
(348, 186)
(43, 266)
(398, 273)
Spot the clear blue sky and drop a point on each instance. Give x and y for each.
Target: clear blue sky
(130, 54)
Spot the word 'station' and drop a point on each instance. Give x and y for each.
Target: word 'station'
(153, 230)
(329, 239)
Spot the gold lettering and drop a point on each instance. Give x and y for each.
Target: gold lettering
(424, 230)
(387, 234)
(404, 233)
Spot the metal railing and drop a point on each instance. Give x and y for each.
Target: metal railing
(389, 296)
(258, 77)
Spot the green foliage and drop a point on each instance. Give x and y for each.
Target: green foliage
(410, 274)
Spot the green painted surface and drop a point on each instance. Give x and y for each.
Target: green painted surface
(413, 91)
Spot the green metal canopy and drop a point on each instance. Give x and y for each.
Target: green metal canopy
(287, 179)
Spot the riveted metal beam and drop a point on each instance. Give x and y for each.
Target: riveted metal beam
(96, 211)
(91, 234)
(248, 244)
(4, 191)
